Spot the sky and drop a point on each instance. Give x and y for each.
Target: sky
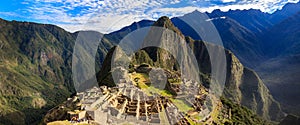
(110, 15)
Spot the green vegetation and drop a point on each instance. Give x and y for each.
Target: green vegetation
(181, 105)
(35, 70)
(141, 79)
(242, 115)
(31, 98)
(141, 57)
(174, 81)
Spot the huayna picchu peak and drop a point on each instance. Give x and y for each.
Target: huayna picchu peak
(165, 22)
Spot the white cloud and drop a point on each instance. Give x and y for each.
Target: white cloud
(226, 1)
(10, 14)
(109, 15)
(217, 18)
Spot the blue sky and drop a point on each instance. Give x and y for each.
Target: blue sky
(110, 15)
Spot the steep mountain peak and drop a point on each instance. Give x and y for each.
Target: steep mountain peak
(165, 22)
(195, 11)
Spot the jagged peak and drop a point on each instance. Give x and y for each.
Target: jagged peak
(165, 22)
(196, 11)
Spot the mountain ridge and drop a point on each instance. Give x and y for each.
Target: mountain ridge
(35, 65)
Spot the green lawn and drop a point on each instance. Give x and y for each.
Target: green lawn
(183, 107)
(141, 83)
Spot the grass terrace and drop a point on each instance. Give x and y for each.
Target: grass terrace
(140, 80)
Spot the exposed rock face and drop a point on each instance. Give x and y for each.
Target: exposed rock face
(243, 86)
(104, 76)
(38, 102)
(113, 68)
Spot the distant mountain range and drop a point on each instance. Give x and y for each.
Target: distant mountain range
(35, 61)
(281, 71)
(267, 43)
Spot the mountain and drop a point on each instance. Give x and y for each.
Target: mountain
(242, 31)
(257, 21)
(283, 38)
(236, 37)
(280, 72)
(36, 74)
(246, 32)
(254, 20)
(246, 87)
(114, 37)
(34, 70)
(243, 42)
(287, 10)
(270, 46)
(243, 86)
